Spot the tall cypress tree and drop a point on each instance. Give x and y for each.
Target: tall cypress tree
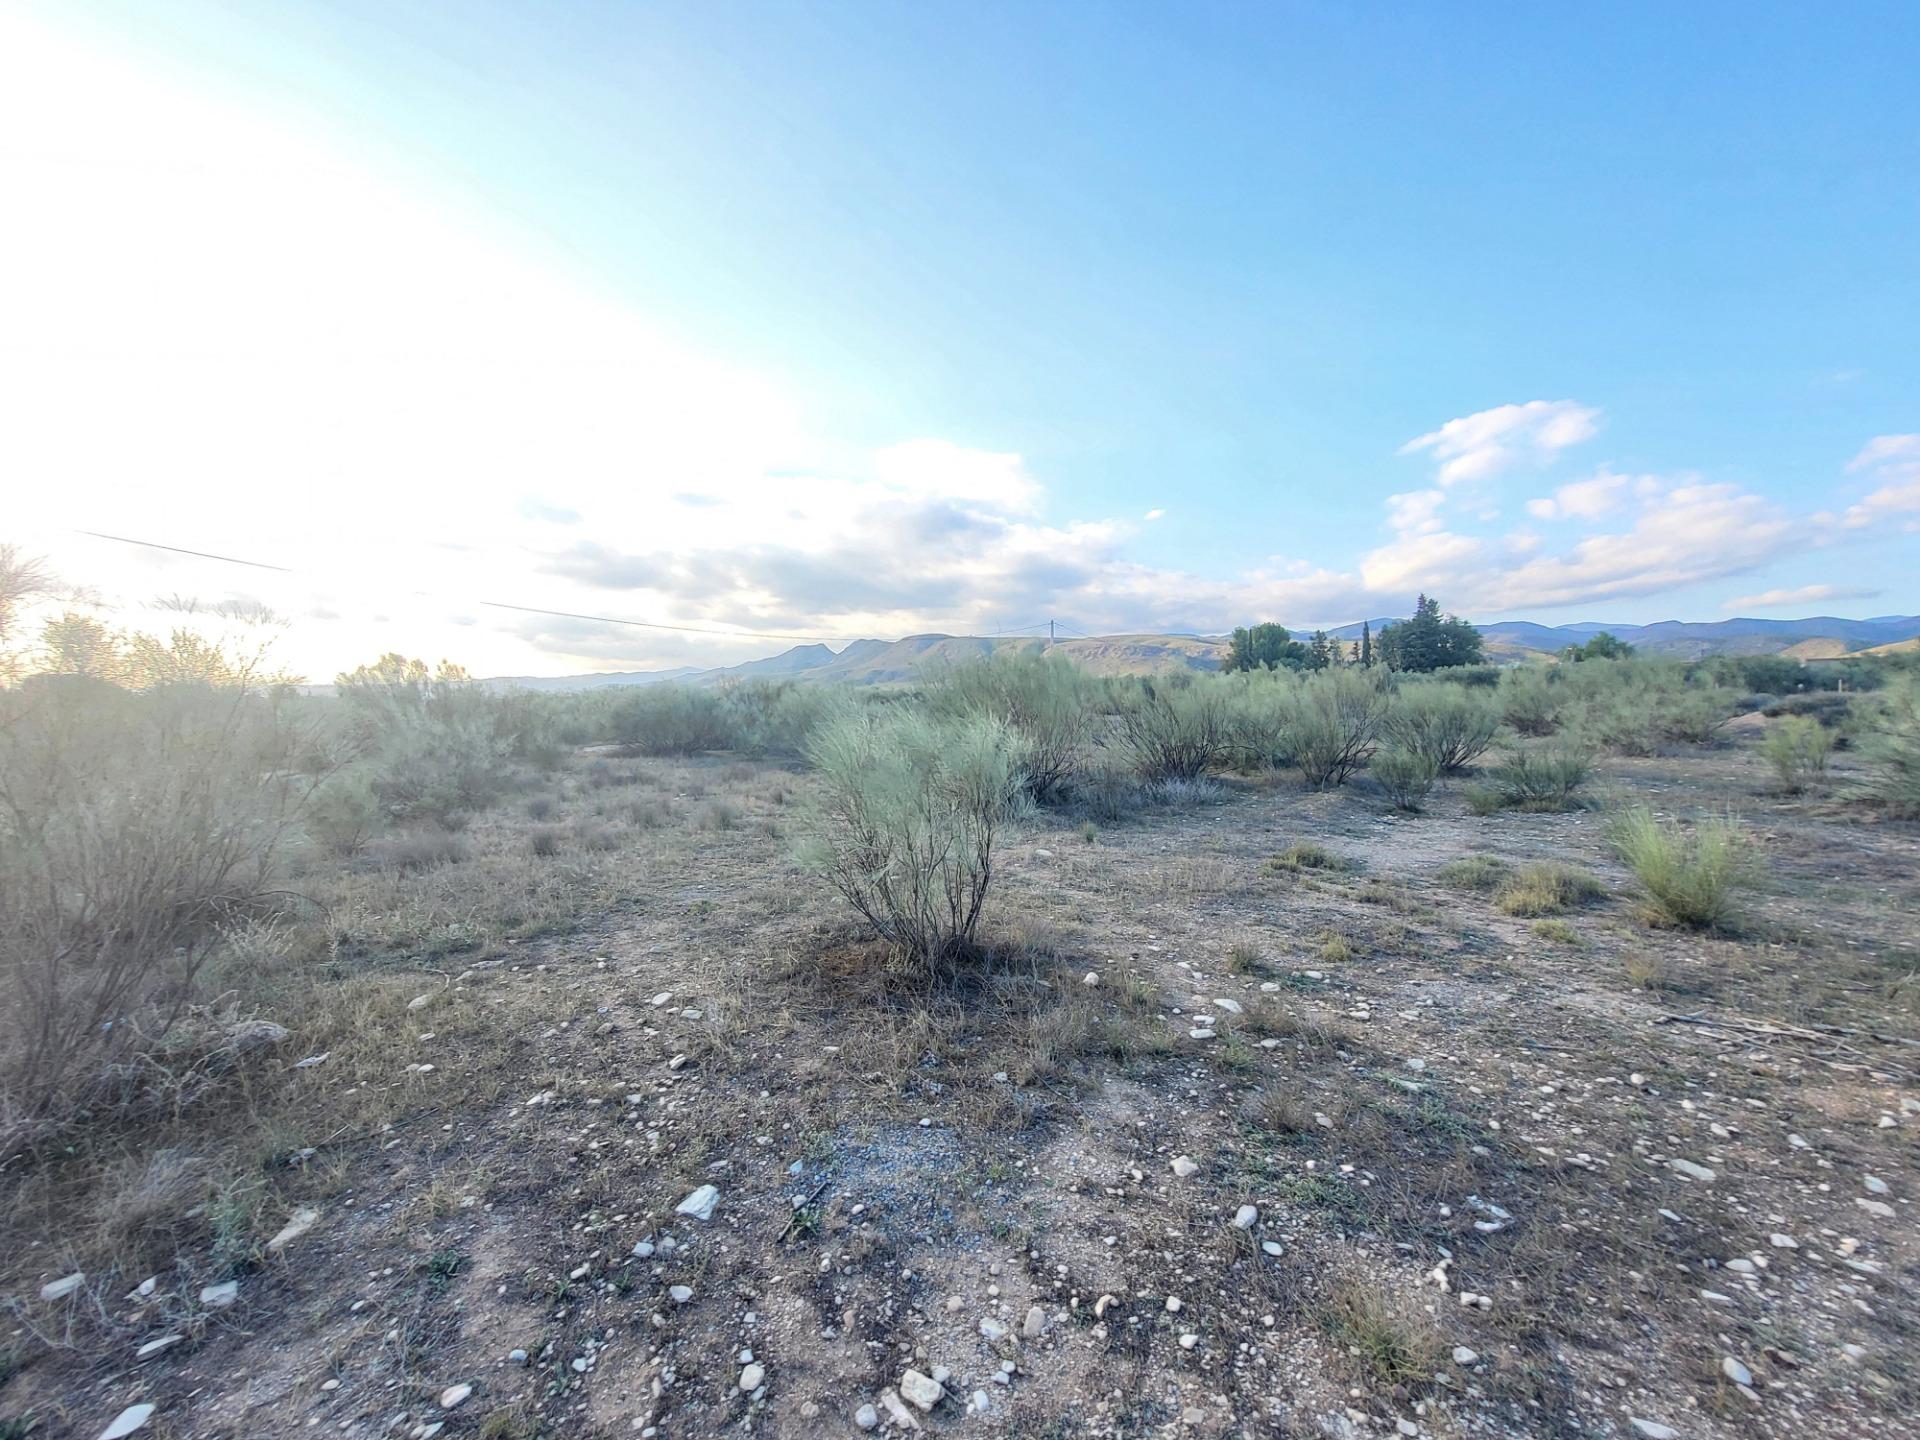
(1366, 642)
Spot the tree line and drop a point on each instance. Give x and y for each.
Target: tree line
(1424, 641)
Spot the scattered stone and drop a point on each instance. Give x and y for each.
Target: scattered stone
(1232, 1007)
(1692, 1171)
(516, 1357)
(1735, 1371)
(977, 1403)
(1189, 1340)
(699, 1204)
(64, 1286)
(127, 1421)
(1092, 978)
(1184, 1167)
(1246, 1217)
(454, 1396)
(1653, 1429)
(1783, 1242)
(218, 1297)
(1273, 1248)
(922, 1390)
(1035, 1323)
(420, 1002)
(993, 1329)
(1200, 1032)
(1879, 1208)
(752, 1377)
(897, 1411)
(1875, 1185)
(155, 1347)
(866, 1417)
(1464, 1356)
(304, 1219)
(680, 1294)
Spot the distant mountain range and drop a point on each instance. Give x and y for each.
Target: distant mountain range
(885, 662)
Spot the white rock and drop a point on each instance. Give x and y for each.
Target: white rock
(1092, 978)
(1035, 1324)
(699, 1204)
(218, 1297)
(680, 1294)
(1783, 1242)
(1693, 1171)
(1189, 1340)
(1735, 1371)
(1201, 1032)
(1875, 1185)
(1232, 1007)
(1273, 1247)
(454, 1396)
(1184, 1167)
(1464, 1356)
(752, 1377)
(127, 1421)
(897, 1410)
(1246, 1217)
(155, 1347)
(420, 1002)
(64, 1286)
(993, 1329)
(978, 1404)
(1875, 1207)
(866, 1417)
(304, 1219)
(1173, 1304)
(922, 1390)
(1653, 1429)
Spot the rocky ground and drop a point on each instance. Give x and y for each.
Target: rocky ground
(1263, 1118)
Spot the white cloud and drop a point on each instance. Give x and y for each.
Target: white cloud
(1803, 595)
(1589, 499)
(1415, 512)
(1491, 442)
(1894, 460)
(1154, 514)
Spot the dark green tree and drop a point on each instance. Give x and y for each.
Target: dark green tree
(1603, 646)
(1264, 647)
(1319, 651)
(1426, 641)
(1366, 642)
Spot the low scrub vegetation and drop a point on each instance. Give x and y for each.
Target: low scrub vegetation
(1545, 889)
(1406, 775)
(1890, 751)
(1545, 778)
(1797, 748)
(910, 807)
(1689, 876)
(1449, 726)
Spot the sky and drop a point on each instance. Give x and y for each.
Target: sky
(783, 322)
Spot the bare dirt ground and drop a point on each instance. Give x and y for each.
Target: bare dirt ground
(1513, 1174)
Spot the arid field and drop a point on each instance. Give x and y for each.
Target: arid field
(1251, 1109)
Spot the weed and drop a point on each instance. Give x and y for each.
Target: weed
(1545, 889)
(1305, 855)
(1689, 876)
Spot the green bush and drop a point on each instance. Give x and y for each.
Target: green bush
(1444, 724)
(1531, 701)
(671, 720)
(342, 814)
(1797, 747)
(1337, 719)
(909, 808)
(1689, 876)
(1177, 731)
(1545, 889)
(775, 717)
(1406, 775)
(1474, 872)
(1046, 701)
(1538, 779)
(1890, 747)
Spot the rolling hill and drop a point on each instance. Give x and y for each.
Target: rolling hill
(893, 662)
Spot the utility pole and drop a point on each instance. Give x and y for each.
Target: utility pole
(1049, 634)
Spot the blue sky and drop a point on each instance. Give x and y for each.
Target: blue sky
(860, 319)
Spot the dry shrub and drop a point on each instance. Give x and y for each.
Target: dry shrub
(134, 829)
